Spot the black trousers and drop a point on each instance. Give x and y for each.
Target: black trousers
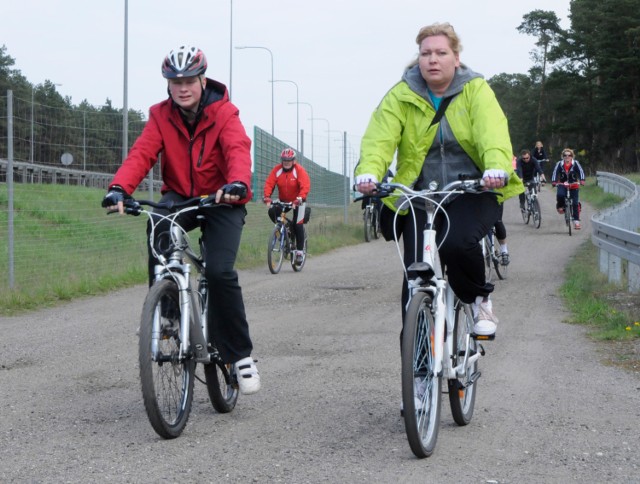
(274, 213)
(227, 320)
(471, 216)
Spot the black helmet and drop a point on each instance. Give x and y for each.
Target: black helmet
(185, 61)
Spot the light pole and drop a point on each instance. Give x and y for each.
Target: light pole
(310, 107)
(328, 141)
(297, 111)
(125, 89)
(271, 54)
(230, 48)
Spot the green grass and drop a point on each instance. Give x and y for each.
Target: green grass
(605, 308)
(65, 246)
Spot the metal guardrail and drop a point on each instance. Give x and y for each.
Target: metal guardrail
(24, 172)
(615, 232)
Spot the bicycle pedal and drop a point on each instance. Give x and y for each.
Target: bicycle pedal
(483, 337)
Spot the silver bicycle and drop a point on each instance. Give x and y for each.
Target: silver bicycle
(437, 338)
(173, 327)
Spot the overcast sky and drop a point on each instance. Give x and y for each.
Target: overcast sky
(342, 54)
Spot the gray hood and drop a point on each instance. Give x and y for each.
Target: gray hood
(417, 84)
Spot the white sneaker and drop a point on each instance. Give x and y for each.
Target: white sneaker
(485, 320)
(299, 256)
(248, 376)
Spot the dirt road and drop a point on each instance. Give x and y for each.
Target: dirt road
(547, 409)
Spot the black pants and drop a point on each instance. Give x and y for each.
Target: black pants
(471, 217)
(274, 213)
(227, 319)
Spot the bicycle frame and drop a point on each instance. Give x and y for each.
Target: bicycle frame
(174, 267)
(429, 278)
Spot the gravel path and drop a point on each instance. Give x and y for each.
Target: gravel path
(547, 409)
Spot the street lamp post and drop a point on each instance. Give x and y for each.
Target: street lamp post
(271, 54)
(310, 107)
(328, 142)
(297, 111)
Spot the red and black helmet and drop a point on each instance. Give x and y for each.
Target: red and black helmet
(185, 61)
(288, 155)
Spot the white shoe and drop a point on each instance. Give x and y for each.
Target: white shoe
(485, 320)
(299, 256)
(248, 376)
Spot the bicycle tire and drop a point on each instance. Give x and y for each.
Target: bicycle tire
(462, 392)
(376, 224)
(422, 423)
(567, 214)
(367, 224)
(537, 214)
(275, 250)
(528, 214)
(167, 385)
(486, 254)
(222, 393)
(298, 266)
(496, 258)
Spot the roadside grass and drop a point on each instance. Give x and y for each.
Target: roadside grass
(608, 310)
(66, 247)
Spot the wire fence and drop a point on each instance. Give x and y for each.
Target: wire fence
(54, 235)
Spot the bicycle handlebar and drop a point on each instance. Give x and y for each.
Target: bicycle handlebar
(135, 207)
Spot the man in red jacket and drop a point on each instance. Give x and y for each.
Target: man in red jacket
(293, 185)
(205, 151)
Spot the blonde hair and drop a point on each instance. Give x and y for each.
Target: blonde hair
(568, 150)
(445, 29)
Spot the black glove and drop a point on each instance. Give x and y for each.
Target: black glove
(114, 195)
(235, 188)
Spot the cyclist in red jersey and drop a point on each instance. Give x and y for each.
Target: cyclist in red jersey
(568, 170)
(293, 184)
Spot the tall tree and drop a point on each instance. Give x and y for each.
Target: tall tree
(546, 27)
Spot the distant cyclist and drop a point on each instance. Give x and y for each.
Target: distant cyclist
(540, 155)
(527, 168)
(293, 185)
(568, 170)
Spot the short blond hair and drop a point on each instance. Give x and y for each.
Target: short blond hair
(568, 150)
(445, 29)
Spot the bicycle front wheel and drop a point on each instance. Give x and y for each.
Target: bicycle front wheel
(421, 386)
(166, 378)
(537, 214)
(367, 224)
(462, 391)
(567, 215)
(221, 385)
(376, 224)
(297, 266)
(275, 249)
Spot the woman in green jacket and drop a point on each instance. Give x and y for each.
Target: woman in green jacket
(471, 138)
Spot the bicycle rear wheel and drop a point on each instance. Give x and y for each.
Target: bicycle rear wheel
(367, 224)
(221, 385)
(421, 386)
(486, 254)
(275, 249)
(462, 391)
(537, 214)
(167, 382)
(496, 259)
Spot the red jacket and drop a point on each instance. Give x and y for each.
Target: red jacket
(218, 153)
(291, 184)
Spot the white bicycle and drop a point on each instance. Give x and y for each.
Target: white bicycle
(437, 339)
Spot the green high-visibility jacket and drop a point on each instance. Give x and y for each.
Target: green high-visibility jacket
(401, 123)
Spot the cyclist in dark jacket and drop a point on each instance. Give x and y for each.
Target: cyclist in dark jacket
(538, 153)
(527, 167)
